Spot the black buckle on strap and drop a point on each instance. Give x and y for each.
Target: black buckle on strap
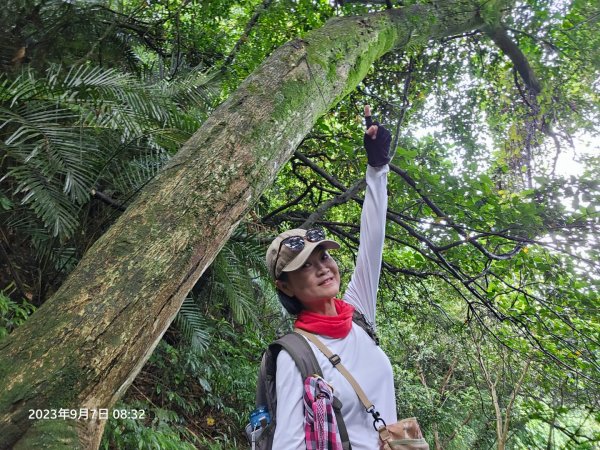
(377, 417)
(335, 360)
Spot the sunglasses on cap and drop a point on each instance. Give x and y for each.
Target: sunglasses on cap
(296, 243)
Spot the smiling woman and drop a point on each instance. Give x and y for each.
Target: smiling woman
(308, 282)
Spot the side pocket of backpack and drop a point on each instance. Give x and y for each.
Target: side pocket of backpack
(261, 438)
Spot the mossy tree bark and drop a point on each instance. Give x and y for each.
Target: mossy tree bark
(85, 345)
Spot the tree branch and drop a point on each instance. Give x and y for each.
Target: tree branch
(244, 37)
(20, 287)
(294, 202)
(108, 200)
(460, 230)
(358, 186)
(513, 396)
(455, 432)
(501, 38)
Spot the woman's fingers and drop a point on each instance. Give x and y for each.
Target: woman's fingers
(372, 131)
(368, 118)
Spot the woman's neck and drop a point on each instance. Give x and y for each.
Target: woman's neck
(325, 308)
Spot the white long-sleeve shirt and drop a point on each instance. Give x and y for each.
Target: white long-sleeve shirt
(364, 360)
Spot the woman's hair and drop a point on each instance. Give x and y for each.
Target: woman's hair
(291, 304)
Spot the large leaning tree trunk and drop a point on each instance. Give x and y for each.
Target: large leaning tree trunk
(85, 345)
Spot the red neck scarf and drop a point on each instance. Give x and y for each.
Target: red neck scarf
(332, 326)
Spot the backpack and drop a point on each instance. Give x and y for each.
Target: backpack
(261, 436)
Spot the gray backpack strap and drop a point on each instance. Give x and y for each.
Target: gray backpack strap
(302, 354)
(306, 362)
(337, 409)
(359, 319)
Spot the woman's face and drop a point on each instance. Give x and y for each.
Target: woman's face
(317, 280)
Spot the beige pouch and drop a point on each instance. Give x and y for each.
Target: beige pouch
(402, 435)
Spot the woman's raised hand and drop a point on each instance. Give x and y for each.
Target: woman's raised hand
(377, 141)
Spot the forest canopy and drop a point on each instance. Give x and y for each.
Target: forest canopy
(489, 293)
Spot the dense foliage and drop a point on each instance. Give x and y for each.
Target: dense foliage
(489, 292)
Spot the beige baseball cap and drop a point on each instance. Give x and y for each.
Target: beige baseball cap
(290, 260)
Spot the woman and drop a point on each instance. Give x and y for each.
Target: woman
(308, 280)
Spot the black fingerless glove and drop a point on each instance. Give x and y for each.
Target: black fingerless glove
(378, 149)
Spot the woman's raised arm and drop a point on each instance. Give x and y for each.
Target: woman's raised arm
(362, 289)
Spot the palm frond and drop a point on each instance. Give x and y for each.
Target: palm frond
(237, 279)
(59, 134)
(193, 325)
(238, 291)
(129, 174)
(195, 88)
(49, 166)
(46, 200)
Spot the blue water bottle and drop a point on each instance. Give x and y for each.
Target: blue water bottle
(260, 417)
